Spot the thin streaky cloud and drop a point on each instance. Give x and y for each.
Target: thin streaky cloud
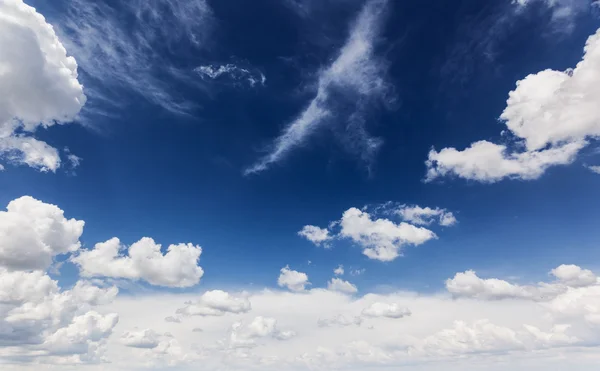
(356, 73)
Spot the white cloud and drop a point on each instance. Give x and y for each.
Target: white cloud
(381, 239)
(594, 169)
(231, 73)
(246, 336)
(386, 310)
(144, 260)
(426, 215)
(356, 75)
(551, 114)
(337, 284)
(131, 48)
(357, 272)
(216, 303)
(40, 321)
(32, 233)
(316, 235)
(38, 85)
(340, 320)
(339, 271)
(293, 280)
(141, 339)
(468, 284)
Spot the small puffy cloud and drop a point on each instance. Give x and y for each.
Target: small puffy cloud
(339, 271)
(32, 233)
(384, 310)
(293, 280)
(550, 115)
(143, 260)
(172, 319)
(216, 303)
(574, 276)
(232, 74)
(245, 336)
(316, 235)
(381, 239)
(340, 320)
(337, 284)
(468, 284)
(355, 78)
(146, 339)
(38, 85)
(357, 272)
(426, 215)
(594, 169)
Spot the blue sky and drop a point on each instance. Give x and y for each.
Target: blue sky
(232, 125)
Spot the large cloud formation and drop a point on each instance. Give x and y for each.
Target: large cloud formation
(551, 115)
(38, 86)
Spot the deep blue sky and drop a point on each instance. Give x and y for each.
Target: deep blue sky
(149, 172)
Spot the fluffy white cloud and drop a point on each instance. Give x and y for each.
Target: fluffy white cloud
(339, 271)
(40, 321)
(337, 284)
(232, 73)
(144, 260)
(216, 303)
(356, 77)
(381, 239)
(38, 85)
(141, 339)
(468, 284)
(426, 215)
(246, 336)
(551, 114)
(316, 235)
(386, 310)
(32, 233)
(293, 280)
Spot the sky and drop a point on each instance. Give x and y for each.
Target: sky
(299, 185)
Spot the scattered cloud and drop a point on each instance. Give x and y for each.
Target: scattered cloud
(385, 310)
(340, 320)
(339, 285)
(293, 280)
(232, 74)
(357, 272)
(339, 271)
(216, 303)
(141, 339)
(143, 260)
(357, 77)
(594, 169)
(316, 235)
(39, 86)
(426, 215)
(32, 233)
(120, 57)
(549, 116)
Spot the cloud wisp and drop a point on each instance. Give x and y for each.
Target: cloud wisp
(345, 91)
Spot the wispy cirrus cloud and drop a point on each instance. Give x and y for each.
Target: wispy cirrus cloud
(129, 47)
(346, 89)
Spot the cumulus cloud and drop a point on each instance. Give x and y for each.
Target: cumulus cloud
(32, 233)
(340, 320)
(216, 303)
(385, 310)
(246, 336)
(426, 215)
(468, 284)
(232, 74)
(316, 235)
(42, 322)
(339, 271)
(142, 260)
(39, 86)
(355, 77)
(132, 47)
(381, 239)
(337, 284)
(147, 339)
(293, 280)
(550, 116)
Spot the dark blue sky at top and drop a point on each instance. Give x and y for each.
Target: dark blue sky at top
(148, 172)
